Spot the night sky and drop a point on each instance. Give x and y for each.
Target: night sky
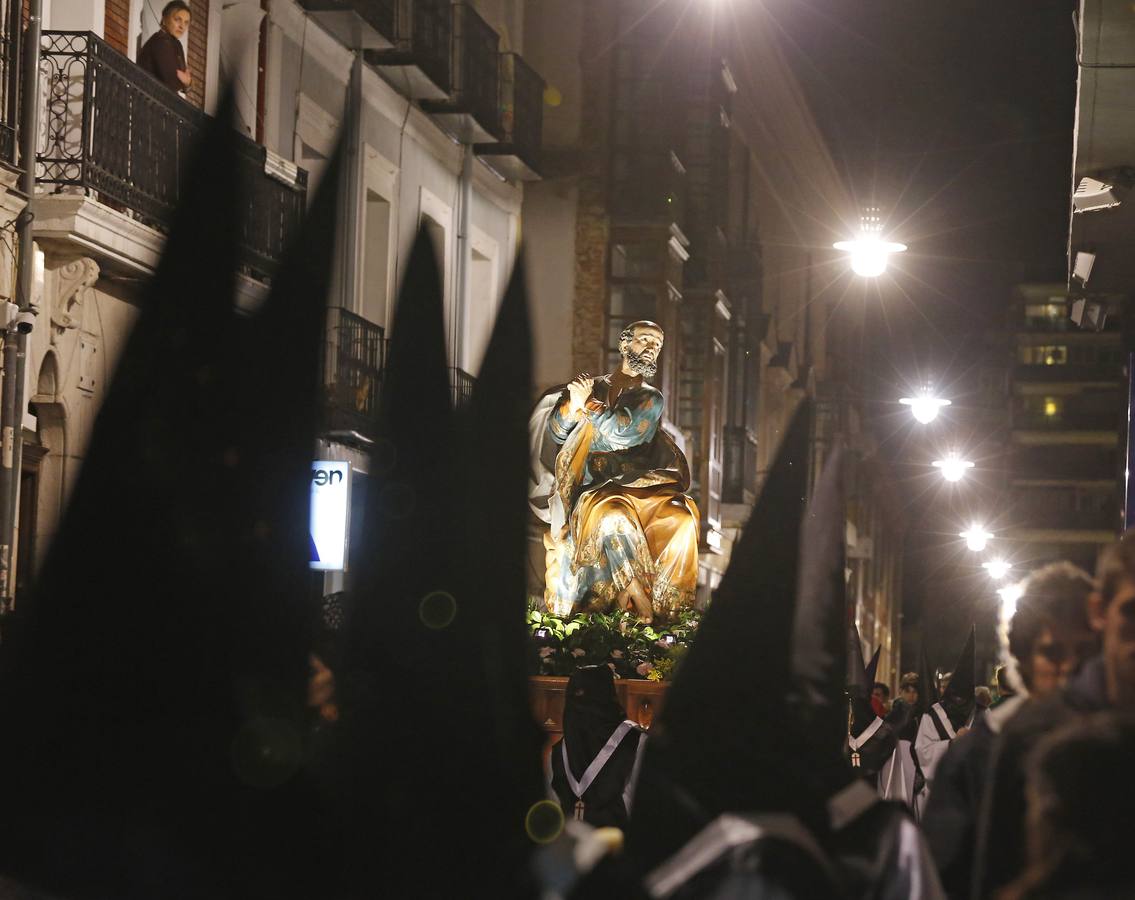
(956, 119)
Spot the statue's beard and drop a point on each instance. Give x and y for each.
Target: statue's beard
(640, 365)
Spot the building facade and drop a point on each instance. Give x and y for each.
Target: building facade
(445, 132)
(686, 183)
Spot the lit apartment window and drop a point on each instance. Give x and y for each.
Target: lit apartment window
(1045, 315)
(1043, 355)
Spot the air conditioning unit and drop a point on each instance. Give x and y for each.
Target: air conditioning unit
(1092, 194)
(1082, 265)
(1091, 314)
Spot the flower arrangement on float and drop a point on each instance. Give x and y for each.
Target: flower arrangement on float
(631, 648)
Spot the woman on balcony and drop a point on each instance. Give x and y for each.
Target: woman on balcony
(163, 55)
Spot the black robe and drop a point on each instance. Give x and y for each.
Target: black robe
(607, 800)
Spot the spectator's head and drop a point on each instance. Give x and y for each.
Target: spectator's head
(1113, 614)
(881, 698)
(175, 18)
(982, 697)
(944, 682)
(908, 689)
(1080, 816)
(1050, 634)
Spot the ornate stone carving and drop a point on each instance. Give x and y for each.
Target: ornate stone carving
(73, 280)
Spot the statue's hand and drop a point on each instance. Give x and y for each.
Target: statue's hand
(579, 391)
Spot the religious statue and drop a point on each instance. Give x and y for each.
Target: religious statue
(610, 483)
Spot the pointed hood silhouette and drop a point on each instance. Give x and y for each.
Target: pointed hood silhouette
(158, 715)
(859, 683)
(723, 741)
(873, 667)
(927, 683)
(438, 722)
(958, 699)
(819, 644)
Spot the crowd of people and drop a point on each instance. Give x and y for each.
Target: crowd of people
(1020, 789)
(184, 729)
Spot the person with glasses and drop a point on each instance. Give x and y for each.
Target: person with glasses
(1081, 678)
(1044, 644)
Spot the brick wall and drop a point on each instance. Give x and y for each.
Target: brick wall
(592, 226)
(116, 24)
(197, 56)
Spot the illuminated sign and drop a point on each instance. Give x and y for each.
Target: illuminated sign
(330, 514)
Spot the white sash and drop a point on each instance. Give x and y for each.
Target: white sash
(869, 732)
(579, 788)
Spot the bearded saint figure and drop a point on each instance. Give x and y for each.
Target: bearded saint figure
(610, 483)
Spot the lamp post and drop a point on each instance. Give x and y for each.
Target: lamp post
(925, 407)
(976, 538)
(953, 467)
(868, 252)
(997, 568)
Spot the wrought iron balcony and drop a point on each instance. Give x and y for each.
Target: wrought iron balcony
(471, 113)
(461, 383)
(9, 81)
(418, 59)
(358, 24)
(517, 156)
(354, 355)
(118, 136)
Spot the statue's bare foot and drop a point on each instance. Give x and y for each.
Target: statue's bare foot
(633, 598)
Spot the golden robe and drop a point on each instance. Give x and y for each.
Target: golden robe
(618, 507)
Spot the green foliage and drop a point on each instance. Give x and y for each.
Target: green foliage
(617, 639)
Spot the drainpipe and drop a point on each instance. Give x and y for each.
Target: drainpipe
(464, 259)
(351, 256)
(12, 400)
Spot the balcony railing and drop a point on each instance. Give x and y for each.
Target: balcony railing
(354, 355)
(115, 134)
(418, 61)
(461, 383)
(470, 113)
(517, 155)
(9, 79)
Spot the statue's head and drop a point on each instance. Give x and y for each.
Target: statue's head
(640, 345)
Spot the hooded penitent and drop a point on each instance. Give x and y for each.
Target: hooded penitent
(958, 699)
(437, 730)
(724, 741)
(154, 685)
(595, 725)
(870, 740)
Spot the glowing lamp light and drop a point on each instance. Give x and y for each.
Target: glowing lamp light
(924, 407)
(976, 538)
(1009, 595)
(997, 568)
(953, 467)
(869, 255)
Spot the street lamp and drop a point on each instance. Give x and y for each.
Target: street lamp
(997, 568)
(953, 467)
(869, 252)
(976, 538)
(924, 407)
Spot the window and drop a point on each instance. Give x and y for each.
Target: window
(1043, 355)
(1045, 315)
(376, 258)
